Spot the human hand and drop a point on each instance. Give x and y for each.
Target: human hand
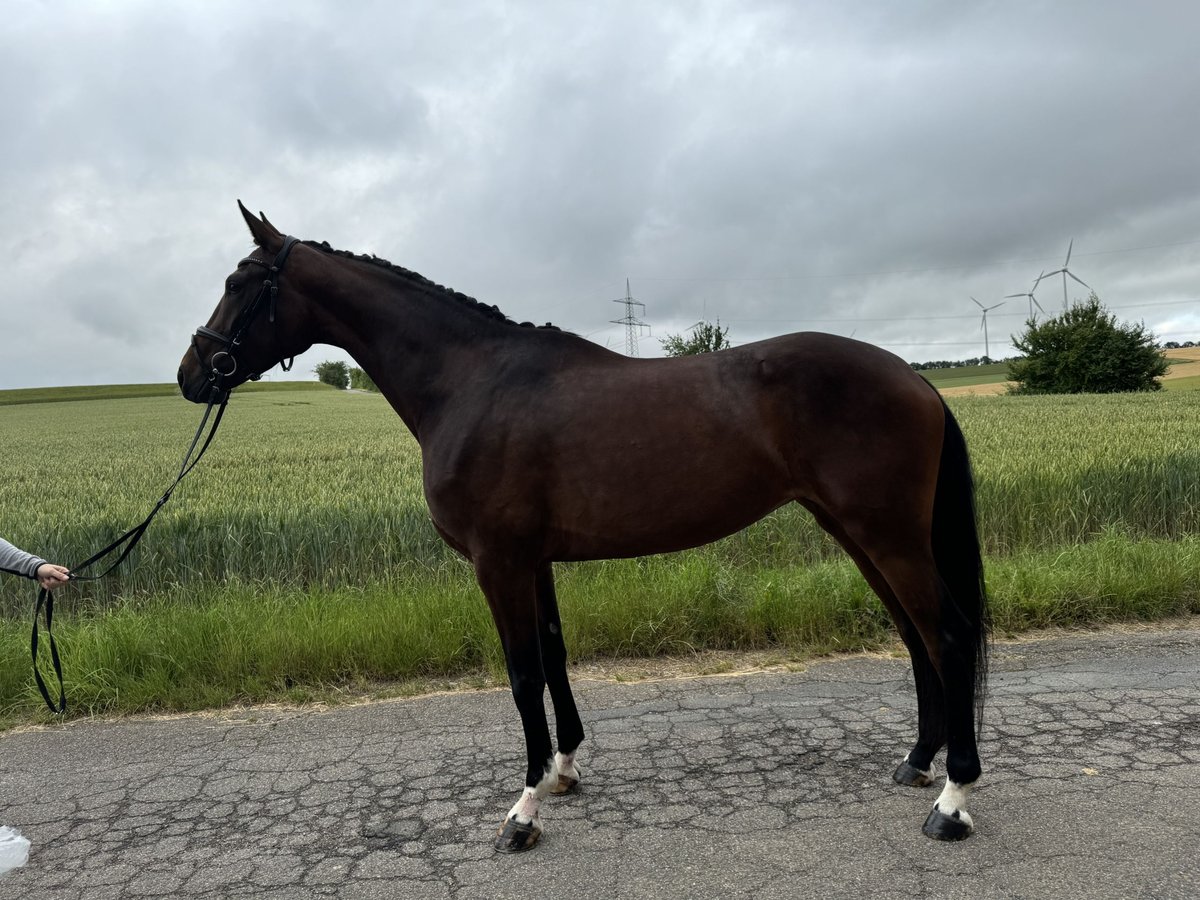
(51, 576)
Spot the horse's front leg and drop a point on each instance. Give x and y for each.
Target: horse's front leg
(511, 593)
(554, 666)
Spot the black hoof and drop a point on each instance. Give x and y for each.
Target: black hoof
(911, 776)
(516, 837)
(942, 827)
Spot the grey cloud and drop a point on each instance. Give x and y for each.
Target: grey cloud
(846, 167)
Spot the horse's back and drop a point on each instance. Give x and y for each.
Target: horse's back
(840, 367)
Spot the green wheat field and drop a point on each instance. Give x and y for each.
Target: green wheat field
(298, 561)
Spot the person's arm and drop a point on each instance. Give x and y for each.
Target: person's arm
(17, 562)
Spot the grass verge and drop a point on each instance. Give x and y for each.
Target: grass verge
(248, 642)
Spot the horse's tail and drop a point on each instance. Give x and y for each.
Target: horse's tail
(959, 560)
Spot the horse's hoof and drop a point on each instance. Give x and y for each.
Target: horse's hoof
(942, 827)
(517, 837)
(911, 776)
(565, 785)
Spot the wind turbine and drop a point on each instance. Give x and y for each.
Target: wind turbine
(1032, 299)
(987, 350)
(1064, 272)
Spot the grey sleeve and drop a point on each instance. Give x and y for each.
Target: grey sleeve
(18, 562)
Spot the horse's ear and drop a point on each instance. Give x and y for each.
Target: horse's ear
(264, 233)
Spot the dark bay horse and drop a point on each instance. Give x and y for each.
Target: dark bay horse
(539, 446)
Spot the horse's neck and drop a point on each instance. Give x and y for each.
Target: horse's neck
(408, 339)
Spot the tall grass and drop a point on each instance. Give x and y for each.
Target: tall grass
(1058, 470)
(302, 488)
(300, 553)
(202, 645)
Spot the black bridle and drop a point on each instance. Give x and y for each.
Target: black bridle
(224, 358)
(218, 398)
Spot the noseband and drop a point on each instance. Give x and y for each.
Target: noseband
(223, 363)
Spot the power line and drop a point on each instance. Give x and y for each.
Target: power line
(858, 319)
(874, 274)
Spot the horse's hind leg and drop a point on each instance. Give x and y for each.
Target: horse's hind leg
(916, 769)
(568, 726)
(950, 642)
(512, 596)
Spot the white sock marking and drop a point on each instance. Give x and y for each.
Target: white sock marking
(565, 763)
(952, 800)
(527, 808)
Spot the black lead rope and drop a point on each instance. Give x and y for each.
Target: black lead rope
(129, 540)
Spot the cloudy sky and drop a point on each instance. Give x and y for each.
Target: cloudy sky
(861, 168)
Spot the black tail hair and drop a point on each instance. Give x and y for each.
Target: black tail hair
(958, 556)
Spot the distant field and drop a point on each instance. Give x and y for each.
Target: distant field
(299, 558)
(1184, 362)
(966, 375)
(1183, 375)
(1187, 383)
(133, 391)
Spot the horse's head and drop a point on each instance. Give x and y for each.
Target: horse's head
(245, 335)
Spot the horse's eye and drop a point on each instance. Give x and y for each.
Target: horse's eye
(233, 287)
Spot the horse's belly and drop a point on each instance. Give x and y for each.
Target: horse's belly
(677, 509)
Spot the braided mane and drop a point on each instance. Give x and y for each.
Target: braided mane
(429, 287)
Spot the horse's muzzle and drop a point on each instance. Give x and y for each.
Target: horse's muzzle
(199, 390)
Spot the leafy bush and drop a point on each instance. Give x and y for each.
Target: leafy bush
(361, 381)
(1085, 350)
(706, 337)
(335, 373)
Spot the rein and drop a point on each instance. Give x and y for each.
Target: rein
(218, 399)
(45, 599)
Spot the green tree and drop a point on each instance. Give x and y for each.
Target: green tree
(705, 338)
(1085, 350)
(361, 381)
(333, 372)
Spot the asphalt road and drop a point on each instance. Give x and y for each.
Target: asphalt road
(764, 785)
